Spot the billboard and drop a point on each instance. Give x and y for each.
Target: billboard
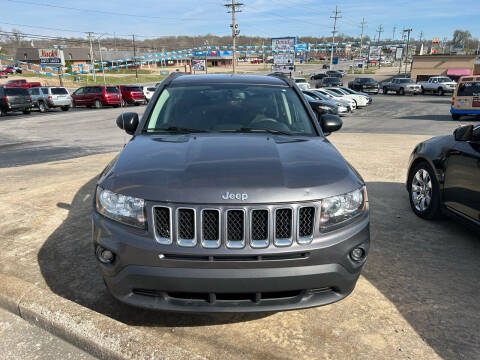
(398, 53)
(51, 57)
(283, 59)
(286, 43)
(374, 53)
(283, 68)
(198, 65)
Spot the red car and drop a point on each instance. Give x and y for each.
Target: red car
(23, 84)
(3, 74)
(132, 94)
(97, 96)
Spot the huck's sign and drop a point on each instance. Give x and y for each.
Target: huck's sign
(51, 57)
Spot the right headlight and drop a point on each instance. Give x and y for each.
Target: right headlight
(338, 209)
(122, 208)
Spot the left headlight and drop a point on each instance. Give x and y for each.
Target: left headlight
(341, 208)
(125, 209)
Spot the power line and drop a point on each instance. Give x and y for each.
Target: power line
(335, 17)
(233, 10)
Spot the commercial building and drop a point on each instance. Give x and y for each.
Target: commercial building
(453, 66)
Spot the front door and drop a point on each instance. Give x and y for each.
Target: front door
(462, 177)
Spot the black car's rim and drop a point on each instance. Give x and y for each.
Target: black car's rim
(421, 190)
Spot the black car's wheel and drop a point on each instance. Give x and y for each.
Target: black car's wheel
(402, 91)
(137, 104)
(424, 191)
(440, 92)
(423, 91)
(97, 104)
(41, 107)
(26, 111)
(116, 106)
(65, 108)
(385, 91)
(456, 116)
(3, 112)
(124, 103)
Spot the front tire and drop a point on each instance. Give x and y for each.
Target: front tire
(440, 92)
(402, 91)
(65, 108)
(41, 107)
(456, 116)
(3, 112)
(385, 91)
(97, 104)
(424, 191)
(26, 111)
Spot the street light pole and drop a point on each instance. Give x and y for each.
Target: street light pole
(206, 52)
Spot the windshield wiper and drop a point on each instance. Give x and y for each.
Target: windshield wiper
(250, 130)
(175, 129)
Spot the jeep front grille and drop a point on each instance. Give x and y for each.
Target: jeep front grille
(234, 228)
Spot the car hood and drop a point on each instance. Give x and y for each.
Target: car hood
(201, 168)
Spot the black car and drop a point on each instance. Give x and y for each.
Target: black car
(321, 107)
(331, 81)
(14, 99)
(444, 176)
(367, 85)
(334, 73)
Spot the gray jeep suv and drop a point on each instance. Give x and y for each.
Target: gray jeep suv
(229, 198)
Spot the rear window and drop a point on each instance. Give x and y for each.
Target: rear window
(59, 91)
(112, 90)
(151, 89)
(131, 88)
(300, 80)
(16, 91)
(469, 89)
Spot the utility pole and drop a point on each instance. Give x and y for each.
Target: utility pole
(408, 31)
(89, 33)
(394, 30)
(380, 30)
(135, 56)
(101, 62)
(206, 52)
(335, 17)
(401, 57)
(115, 41)
(361, 46)
(233, 10)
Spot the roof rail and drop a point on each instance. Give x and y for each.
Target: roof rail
(282, 76)
(172, 77)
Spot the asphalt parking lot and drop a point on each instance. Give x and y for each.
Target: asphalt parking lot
(416, 299)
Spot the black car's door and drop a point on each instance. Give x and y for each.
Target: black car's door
(462, 177)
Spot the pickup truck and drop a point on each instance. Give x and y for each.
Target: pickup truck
(23, 84)
(439, 85)
(401, 86)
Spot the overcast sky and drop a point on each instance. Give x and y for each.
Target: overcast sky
(269, 18)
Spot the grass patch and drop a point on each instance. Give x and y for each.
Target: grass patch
(113, 80)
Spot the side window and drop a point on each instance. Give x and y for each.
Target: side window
(98, 90)
(159, 106)
(79, 91)
(45, 91)
(34, 91)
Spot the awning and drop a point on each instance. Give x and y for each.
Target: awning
(459, 72)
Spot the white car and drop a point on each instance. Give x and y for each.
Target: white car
(148, 92)
(336, 96)
(302, 83)
(360, 100)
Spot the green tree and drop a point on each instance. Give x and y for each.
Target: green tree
(462, 38)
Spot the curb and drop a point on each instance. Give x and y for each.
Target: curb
(82, 327)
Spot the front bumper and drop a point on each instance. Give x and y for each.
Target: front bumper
(413, 90)
(370, 90)
(149, 275)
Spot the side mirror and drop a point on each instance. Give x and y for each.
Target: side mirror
(330, 123)
(128, 121)
(463, 133)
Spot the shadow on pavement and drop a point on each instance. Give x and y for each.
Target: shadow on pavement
(428, 270)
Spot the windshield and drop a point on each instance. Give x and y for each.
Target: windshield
(321, 96)
(300, 80)
(444, 79)
(469, 89)
(332, 80)
(348, 91)
(365, 80)
(332, 93)
(230, 108)
(405, 81)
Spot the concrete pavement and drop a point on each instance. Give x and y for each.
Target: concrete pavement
(417, 297)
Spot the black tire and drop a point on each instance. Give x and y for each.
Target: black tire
(385, 90)
(456, 116)
(137, 104)
(98, 104)
(433, 210)
(402, 91)
(124, 103)
(423, 91)
(26, 111)
(65, 108)
(3, 113)
(42, 107)
(116, 106)
(440, 92)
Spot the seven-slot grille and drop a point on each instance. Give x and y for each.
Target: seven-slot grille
(237, 227)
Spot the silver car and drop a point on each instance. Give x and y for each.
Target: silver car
(49, 97)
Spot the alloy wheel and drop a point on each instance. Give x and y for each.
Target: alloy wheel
(421, 190)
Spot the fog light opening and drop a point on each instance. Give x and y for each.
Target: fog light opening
(357, 254)
(105, 256)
